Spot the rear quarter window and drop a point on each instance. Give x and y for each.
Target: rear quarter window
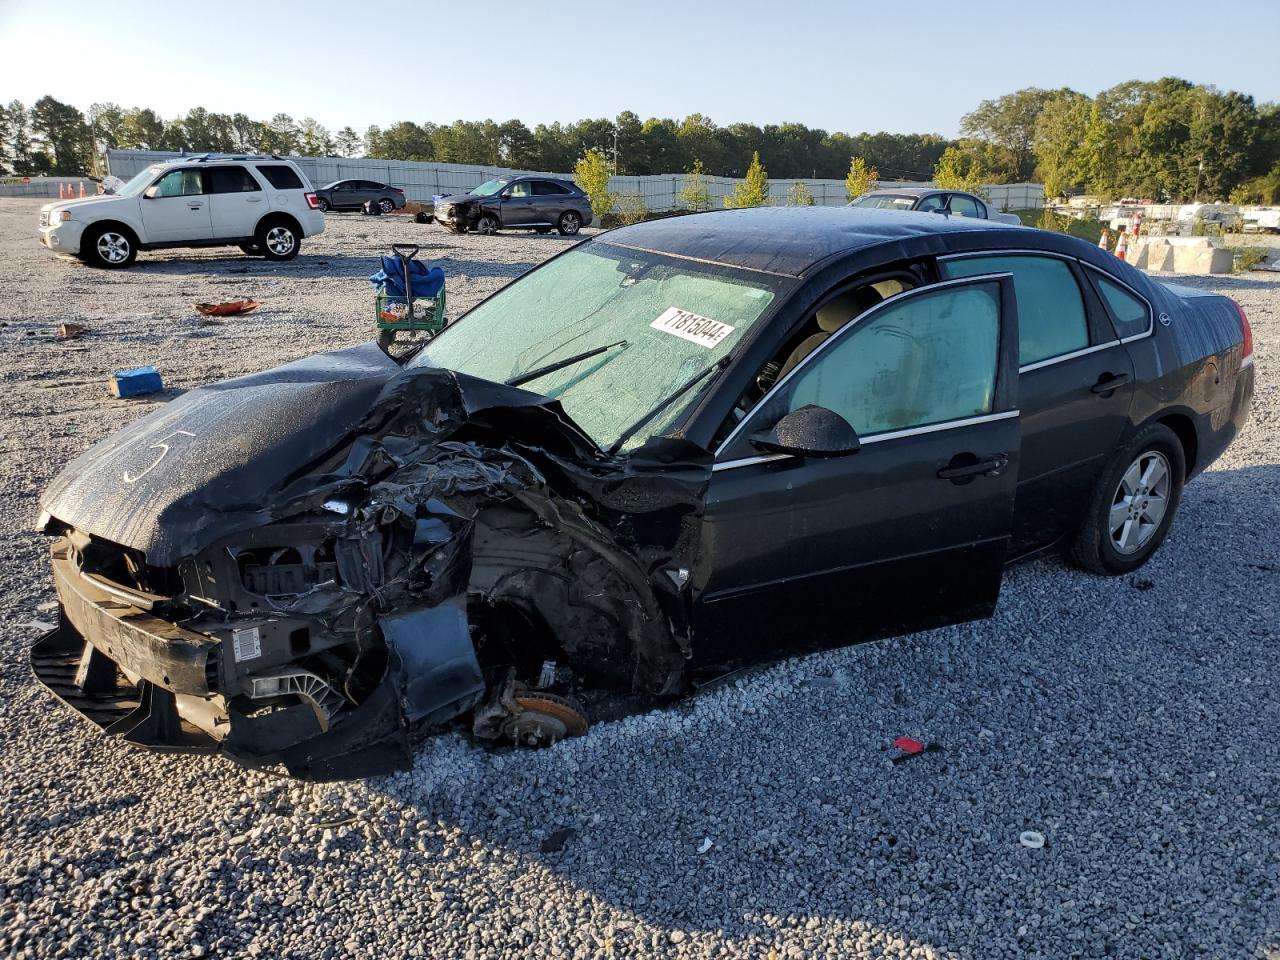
(280, 176)
(1129, 313)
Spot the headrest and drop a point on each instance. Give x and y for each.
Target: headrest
(836, 313)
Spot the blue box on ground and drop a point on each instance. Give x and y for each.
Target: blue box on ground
(136, 383)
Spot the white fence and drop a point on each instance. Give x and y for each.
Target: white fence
(45, 186)
(423, 180)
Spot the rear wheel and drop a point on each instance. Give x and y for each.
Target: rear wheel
(109, 247)
(1134, 503)
(487, 224)
(278, 240)
(570, 223)
(386, 205)
(323, 205)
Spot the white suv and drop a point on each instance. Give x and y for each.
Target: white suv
(263, 205)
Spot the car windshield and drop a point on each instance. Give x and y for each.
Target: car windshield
(488, 188)
(882, 202)
(666, 319)
(140, 181)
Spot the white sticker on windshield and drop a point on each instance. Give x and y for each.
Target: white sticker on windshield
(691, 327)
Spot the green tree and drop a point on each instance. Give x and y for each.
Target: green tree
(314, 139)
(19, 138)
(1060, 130)
(349, 142)
(799, 195)
(860, 179)
(959, 169)
(1010, 123)
(401, 141)
(516, 145)
(753, 191)
(591, 173)
(694, 195)
(64, 133)
(141, 130)
(280, 135)
(246, 134)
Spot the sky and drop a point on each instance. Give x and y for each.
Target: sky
(839, 66)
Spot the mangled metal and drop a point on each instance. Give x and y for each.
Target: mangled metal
(444, 537)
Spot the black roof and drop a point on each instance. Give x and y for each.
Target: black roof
(790, 240)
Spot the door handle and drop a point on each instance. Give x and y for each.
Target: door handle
(992, 466)
(1109, 383)
(195, 206)
(253, 199)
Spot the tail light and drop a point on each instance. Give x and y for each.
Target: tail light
(313, 201)
(398, 190)
(1246, 349)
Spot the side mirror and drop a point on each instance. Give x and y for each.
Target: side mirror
(810, 431)
(150, 192)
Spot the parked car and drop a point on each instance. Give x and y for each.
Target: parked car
(930, 200)
(354, 194)
(678, 447)
(520, 203)
(263, 205)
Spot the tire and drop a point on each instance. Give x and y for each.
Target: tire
(570, 223)
(487, 224)
(322, 205)
(109, 247)
(278, 240)
(422, 217)
(1133, 504)
(386, 205)
(251, 249)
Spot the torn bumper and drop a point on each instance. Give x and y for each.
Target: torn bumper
(152, 683)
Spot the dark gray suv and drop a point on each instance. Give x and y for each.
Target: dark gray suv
(520, 203)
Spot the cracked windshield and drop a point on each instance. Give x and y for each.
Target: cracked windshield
(650, 324)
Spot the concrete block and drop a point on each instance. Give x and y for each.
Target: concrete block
(1159, 255)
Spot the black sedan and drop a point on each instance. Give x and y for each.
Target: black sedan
(671, 450)
(354, 194)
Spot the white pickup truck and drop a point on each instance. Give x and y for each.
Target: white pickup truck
(263, 205)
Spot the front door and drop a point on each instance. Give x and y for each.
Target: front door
(517, 204)
(176, 210)
(908, 532)
(236, 202)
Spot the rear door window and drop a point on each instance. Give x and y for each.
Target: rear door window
(280, 176)
(963, 206)
(230, 180)
(1051, 317)
(935, 202)
(545, 188)
(1130, 314)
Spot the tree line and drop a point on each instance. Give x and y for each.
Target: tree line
(1167, 139)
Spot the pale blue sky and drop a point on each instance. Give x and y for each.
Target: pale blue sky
(840, 66)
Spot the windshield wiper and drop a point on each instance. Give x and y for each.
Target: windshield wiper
(666, 402)
(524, 378)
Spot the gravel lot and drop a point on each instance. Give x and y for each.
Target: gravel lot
(1134, 722)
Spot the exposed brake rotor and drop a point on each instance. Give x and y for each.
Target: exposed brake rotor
(542, 719)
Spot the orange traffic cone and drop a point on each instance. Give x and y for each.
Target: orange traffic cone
(62, 194)
(82, 193)
(1122, 245)
(1104, 242)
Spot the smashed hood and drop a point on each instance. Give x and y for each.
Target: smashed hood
(217, 457)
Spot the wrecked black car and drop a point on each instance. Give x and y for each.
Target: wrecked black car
(541, 204)
(670, 451)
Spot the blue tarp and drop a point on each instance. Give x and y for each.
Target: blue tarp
(426, 282)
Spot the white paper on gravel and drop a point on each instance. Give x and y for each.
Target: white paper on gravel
(692, 327)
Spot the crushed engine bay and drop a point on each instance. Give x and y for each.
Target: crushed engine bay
(420, 546)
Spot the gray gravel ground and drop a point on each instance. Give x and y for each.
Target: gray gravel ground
(1134, 722)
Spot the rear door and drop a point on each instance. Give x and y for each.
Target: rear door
(550, 200)
(236, 201)
(909, 532)
(175, 209)
(1071, 421)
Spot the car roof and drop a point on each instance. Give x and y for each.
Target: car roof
(906, 191)
(789, 240)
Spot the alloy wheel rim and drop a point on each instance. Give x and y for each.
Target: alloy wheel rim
(571, 222)
(280, 240)
(113, 247)
(1140, 503)
(487, 225)
(386, 205)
